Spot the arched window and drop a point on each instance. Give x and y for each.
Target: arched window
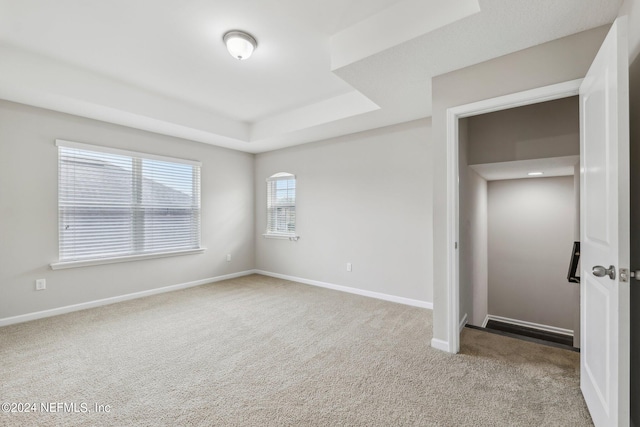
(281, 205)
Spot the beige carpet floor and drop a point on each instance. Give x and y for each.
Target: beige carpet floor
(258, 351)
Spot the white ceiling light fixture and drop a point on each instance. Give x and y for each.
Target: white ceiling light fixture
(240, 44)
(535, 173)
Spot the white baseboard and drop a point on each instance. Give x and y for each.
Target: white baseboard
(371, 294)
(440, 345)
(526, 324)
(463, 322)
(112, 300)
(485, 321)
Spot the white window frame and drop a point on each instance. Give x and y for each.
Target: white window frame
(271, 182)
(98, 259)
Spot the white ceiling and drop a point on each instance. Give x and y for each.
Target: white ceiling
(322, 68)
(550, 166)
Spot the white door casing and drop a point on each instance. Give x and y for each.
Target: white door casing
(604, 234)
(454, 114)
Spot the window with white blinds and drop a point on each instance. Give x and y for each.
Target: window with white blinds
(115, 203)
(281, 205)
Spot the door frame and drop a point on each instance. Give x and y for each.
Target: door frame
(454, 114)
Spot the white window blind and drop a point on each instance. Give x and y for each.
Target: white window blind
(281, 204)
(115, 203)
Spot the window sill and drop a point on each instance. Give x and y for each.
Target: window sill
(291, 237)
(90, 262)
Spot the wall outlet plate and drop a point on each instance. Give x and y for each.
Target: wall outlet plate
(41, 284)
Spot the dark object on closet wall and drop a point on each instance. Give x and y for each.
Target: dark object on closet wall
(573, 265)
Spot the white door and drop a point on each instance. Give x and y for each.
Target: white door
(604, 234)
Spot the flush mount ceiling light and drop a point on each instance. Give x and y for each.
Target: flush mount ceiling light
(535, 173)
(240, 44)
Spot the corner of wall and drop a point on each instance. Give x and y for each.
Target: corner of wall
(254, 228)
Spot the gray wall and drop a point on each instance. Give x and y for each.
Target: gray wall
(632, 9)
(472, 235)
(29, 214)
(530, 239)
(364, 199)
(561, 60)
(547, 129)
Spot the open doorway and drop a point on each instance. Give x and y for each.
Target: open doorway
(604, 224)
(519, 218)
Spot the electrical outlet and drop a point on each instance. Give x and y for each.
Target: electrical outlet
(348, 266)
(228, 257)
(41, 284)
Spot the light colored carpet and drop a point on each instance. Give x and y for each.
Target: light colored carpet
(258, 351)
